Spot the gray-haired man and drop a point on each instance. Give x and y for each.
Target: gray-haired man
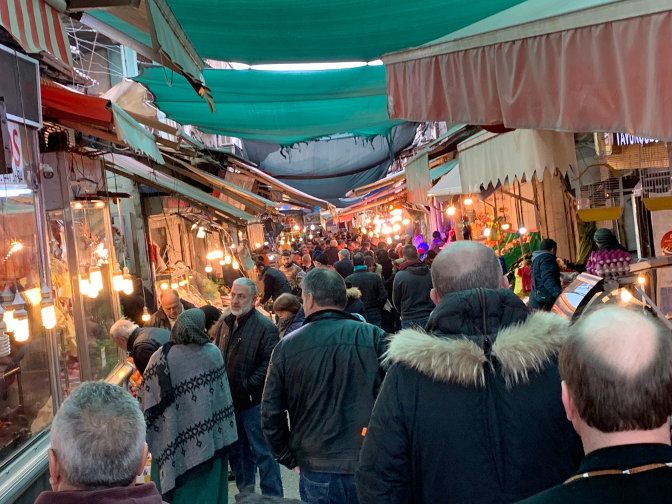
(326, 376)
(344, 265)
(97, 449)
(140, 342)
(247, 339)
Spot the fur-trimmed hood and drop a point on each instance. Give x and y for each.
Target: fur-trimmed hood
(517, 349)
(354, 292)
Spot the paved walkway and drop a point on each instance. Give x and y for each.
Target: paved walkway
(290, 483)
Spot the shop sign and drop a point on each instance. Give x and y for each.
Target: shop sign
(623, 139)
(16, 150)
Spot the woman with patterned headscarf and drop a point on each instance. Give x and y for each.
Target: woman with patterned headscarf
(189, 413)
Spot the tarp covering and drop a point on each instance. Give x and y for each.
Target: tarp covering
(514, 155)
(330, 169)
(36, 26)
(449, 185)
(280, 107)
(133, 134)
(575, 65)
(294, 31)
(63, 103)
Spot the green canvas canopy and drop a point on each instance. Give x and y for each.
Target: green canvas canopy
(279, 107)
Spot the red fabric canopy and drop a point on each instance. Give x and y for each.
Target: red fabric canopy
(611, 76)
(62, 103)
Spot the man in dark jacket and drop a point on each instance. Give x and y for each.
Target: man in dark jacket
(171, 307)
(546, 286)
(470, 413)
(617, 392)
(332, 252)
(411, 288)
(373, 291)
(247, 339)
(326, 375)
(275, 282)
(140, 343)
(344, 265)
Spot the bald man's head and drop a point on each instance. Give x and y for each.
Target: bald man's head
(466, 265)
(617, 365)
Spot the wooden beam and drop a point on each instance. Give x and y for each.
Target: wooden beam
(89, 130)
(373, 204)
(84, 5)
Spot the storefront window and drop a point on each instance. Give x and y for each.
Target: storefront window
(25, 392)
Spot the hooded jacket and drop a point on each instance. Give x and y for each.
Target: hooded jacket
(355, 304)
(373, 292)
(140, 494)
(410, 292)
(471, 413)
(546, 285)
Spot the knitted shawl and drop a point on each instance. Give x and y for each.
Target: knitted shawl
(186, 400)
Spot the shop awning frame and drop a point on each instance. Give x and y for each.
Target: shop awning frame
(579, 65)
(449, 185)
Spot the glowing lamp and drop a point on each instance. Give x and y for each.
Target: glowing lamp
(235, 264)
(215, 254)
(396, 227)
(389, 240)
(173, 285)
(128, 282)
(32, 293)
(506, 226)
(145, 314)
(522, 230)
(486, 232)
(451, 210)
(297, 227)
(396, 237)
(310, 237)
(95, 278)
(222, 262)
(265, 243)
(312, 227)
(257, 245)
(641, 280)
(47, 309)
(396, 211)
(93, 294)
(201, 232)
(406, 222)
(468, 201)
(21, 327)
(363, 230)
(626, 296)
(227, 259)
(164, 286)
(182, 283)
(117, 278)
(371, 234)
(208, 268)
(84, 285)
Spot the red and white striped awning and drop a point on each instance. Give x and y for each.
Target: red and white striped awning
(570, 65)
(37, 27)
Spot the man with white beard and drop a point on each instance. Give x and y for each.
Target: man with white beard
(247, 339)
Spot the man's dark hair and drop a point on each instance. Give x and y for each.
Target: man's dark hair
(367, 253)
(322, 259)
(410, 253)
(381, 245)
(547, 244)
(607, 398)
(260, 266)
(286, 253)
(369, 260)
(436, 234)
(327, 287)
(358, 259)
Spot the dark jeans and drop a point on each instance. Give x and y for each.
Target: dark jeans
(421, 323)
(327, 488)
(251, 450)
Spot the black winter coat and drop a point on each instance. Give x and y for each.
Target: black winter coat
(473, 413)
(275, 284)
(247, 351)
(143, 342)
(355, 304)
(411, 290)
(326, 375)
(344, 267)
(546, 285)
(373, 291)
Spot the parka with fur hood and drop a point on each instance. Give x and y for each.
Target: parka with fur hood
(355, 304)
(473, 412)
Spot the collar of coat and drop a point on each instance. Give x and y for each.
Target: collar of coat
(519, 349)
(329, 314)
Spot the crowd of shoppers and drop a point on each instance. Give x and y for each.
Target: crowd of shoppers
(477, 399)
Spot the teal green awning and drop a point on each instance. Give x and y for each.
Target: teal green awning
(440, 171)
(280, 107)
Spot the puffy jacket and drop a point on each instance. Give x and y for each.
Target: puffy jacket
(471, 413)
(275, 284)
(326, 375)
(344, 267)
(160, 319)
(355, 304)
(546, 286)
(373, 291)
(247, 351)
(410, 292)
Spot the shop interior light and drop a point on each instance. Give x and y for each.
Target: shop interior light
(396, 211)
(265, 243)
(451, 210)
(47, 309)
(145, 314)
(522, 230)
(396, 227)
(506, 226)
(312, 227)
(227, 259)
(396, 237)
(406, 222)
(84, 285)
(297, 227)
(32, 292)
(173, 285)
(208, 268)
(486, 232)
(21, 326)
(93, 294)
(182, 283)
(95, 278)
(78, 206)
(389, 240)
(368, 221)
(222, 262)
(641, 280)
(233, 246)
(201, 232)
(626, 297)
(117, 278)
(164, 285)
(468, 201)
(235, 264)
(128, 282)
(371, 234)
(193, 226)
(215, 254)
(240, 234)
(363, 230)
(257, 245)
(310, 236)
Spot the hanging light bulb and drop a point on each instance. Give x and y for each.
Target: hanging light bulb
(297, 227)
(233, 246)
(522, 230)
(84, 285)
(641, 280)
(312, 227)
(396, 227)
(389, 240)
(451, 210)
(20, 323)
(396, 237)
(93, 294)
(227, 259)
(182, 283)
(32, 292)
(8, 309)
(363, 230)
(201, 232)
(222, 262)
(173, 285)
(235, 264)
(371, 234)
(47, 309)
(164, 285)
(406, 222)
(396, 211)
(128, 282)
(310, 237)
(506, 226)
(95, 278)
(626, 296)
(468, 201)
(486, 232)
(117, 278)
(145, 314)
(208, 268)
(215, 254)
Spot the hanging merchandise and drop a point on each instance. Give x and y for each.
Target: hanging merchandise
(47, 308)
(117, 278)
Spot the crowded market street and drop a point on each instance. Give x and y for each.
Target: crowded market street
(350, 252)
